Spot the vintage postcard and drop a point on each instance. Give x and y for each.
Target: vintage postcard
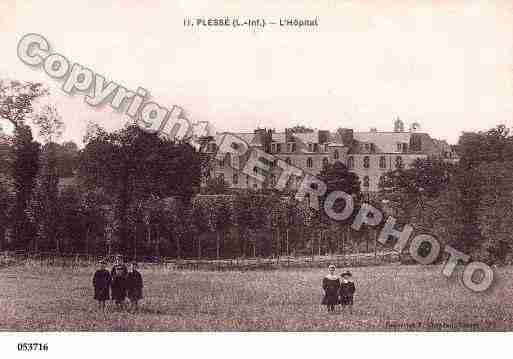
(233, 166)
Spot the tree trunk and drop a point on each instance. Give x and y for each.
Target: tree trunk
(278, 243)
(199, 246)
(375, 235)
(87, 240)
(157, 242)
(218, 243)
(179, 247)
(344, 234)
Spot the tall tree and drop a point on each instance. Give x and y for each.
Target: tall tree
(24, 171)
(16, 104)
(50, 126)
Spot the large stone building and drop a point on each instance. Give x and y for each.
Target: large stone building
(368, 154)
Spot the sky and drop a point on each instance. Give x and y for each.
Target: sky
(447, 64)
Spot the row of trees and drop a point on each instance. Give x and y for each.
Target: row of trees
(138, 193)
(468, 204)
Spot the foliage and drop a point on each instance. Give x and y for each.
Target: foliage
(134, 165)
(215, 185)
(17, 99)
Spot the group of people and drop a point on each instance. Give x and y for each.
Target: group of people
(338, 290)
(118, 284)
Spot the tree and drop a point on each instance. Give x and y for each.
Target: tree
(134, 165)
(337, 177)
(475, 148)
(24, 171)
(50, 123)
(404, 190)
(6, 198)
(16, 103)
(17, 98)
(50, 129)
(215, 185)
(67, 159)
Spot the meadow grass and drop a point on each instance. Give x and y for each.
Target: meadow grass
(387, 298)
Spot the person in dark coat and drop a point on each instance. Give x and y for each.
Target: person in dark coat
(134, 287)
(101, 284)
(347, 290)
(331, 286)
(118, 286)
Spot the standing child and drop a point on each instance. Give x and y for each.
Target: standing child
(347, 290)
(101, 284)
(134, 287)
(119, 274)
(331, 286)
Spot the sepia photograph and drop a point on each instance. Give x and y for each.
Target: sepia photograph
(340, 167)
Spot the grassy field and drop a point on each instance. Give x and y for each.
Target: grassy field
(387, 298)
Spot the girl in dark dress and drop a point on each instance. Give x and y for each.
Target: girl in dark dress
(347, 290)
(331, 286)
(134, 287)
(119, 275)
(101, 284)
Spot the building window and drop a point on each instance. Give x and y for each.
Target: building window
(316, 147)
(398, 162)
(382, 162)
(221, 163)
(309, 162)
(291, 147)
(350, 162)
(287, 160)
(367, 147)
(336, 155)
(325, 161)
(221, 176)
(235, 178)
(228, 159)
(366, 162)
(310, 147)
(278, 147)
(366, 181)
(402, 147)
